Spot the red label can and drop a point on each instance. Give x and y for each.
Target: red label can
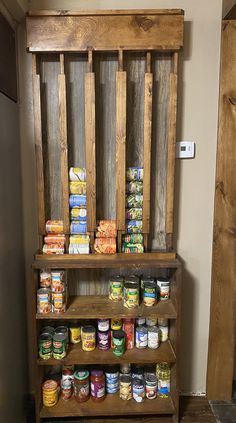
(128, 328)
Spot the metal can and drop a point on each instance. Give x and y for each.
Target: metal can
(134, 213)
(112, 380)
(78, 187)
(134, 200)
(45, 346)
(116, 324)
(125, 368)
(103, 340)
(151, 321)
(49, 330)
(134, 226)
(45, 279)
(81, 385)
(128, 328)
(77, 174)
(53, 249)
(103, 325)
(66, 389)
(131, 292)
(59, 346)
(77, 200)
(97, 383)
(151, 386)
(140, 321)
(125, 387)
(54, 227)
(50, 393)
(132, 248)
(78, 213)
(118, 342)
(55, 239)
(137, 372)
(149, 293)
(58, 284)
(144, 280)
(88, 335)
(134, 173)
(78, 227)
(153, 337)
(138, 390)
(44, 300)
(164, 330)
(133, 238)
(163, 285)
(116, 284)
(75, 333)
(58, 302)
(134, 187)
(163, 377)
(63, 330)
(141, 337)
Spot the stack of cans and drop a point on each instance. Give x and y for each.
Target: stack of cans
(79, 240)
(133, 241)
(105, 242)
(54, 241)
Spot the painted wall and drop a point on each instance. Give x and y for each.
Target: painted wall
(197, 121)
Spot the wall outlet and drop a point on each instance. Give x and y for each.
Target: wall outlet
(185, 150)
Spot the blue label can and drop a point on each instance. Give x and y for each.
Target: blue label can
(77, 200)
(78, 227)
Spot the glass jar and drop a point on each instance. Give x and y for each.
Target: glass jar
(81, 385)
(88, 336)
(97, 383)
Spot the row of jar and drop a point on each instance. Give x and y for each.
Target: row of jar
(120, 335)
(136, 382)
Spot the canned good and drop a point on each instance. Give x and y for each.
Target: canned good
(125, 368)
(58, 284)
(151, 321)
(103, 325)
(45, 346)
(163, 377)
(105, 245)
(125, 387)
(137, 372)
(78, 227)
(106, 229)
(78, 213)
(134, 213)
(149, 293)
(140, 321)
(81, 385)
(53, 249)
(134, 174)
(75, 333)
(151, 386)
(43, 300)
(164, 330)
(45, 279)
(146, 279)
(103, 340)
(63, 330)
(131, 292)
(58, 302)
(112, 380)
(78, 187)
(132, 248)
(77, 174)
(138, 390)
(54, 227)
(134, 187)
(97, 381)
(134, 200)
(59, 346)
(141, 337)
(133, 238)
(134, 226)
(76, 200)
(118, 337)
(153, 337)
(66, 389)
(88, 335)
(49, 330)
(128, 328)
(163, 285)
(116, 284)
(50, 393)
(55, 239)
(116, 324)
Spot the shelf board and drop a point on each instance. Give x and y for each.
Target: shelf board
(103, 261)
(111, 406)
(100, 307)
(76, 355)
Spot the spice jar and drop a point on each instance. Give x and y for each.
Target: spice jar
(125, 387)
(50, 393)
(81, 385)
(118, 342)
(88, 338)
(97, 383)
(163, 285)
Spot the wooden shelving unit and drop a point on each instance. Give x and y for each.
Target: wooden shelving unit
(105, 97)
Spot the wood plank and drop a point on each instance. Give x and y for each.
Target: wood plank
(90, 150)
(38, 149)
(121, 79)
(79, 307)
(222, 319)
(148, 85)
(112, 405)
(171, 157)
(110, 32)
(64, 149)
(91, 12)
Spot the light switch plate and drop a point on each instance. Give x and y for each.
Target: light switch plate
(185, 150)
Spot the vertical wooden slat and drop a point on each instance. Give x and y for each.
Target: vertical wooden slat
(38, 149)
(148, 84)
(121, 82)
(90, 147)
(171, 152)
(63, 144)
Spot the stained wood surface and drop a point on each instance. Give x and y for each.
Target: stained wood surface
(100, 12)
(90, 148)
(121, 84)
(148, 84)
(222, 318)
(108, 32)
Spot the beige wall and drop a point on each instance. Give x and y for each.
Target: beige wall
(197, 121)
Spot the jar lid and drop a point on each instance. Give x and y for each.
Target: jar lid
(50, 385)
(119, 334)
(61, 329)
(97, 373)
(45, 337)
(81, 374)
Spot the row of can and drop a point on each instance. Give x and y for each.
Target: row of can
(54, 240)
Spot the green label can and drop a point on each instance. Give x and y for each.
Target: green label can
(116, 288)
(59, 346)
(45, 346)
(118, 342)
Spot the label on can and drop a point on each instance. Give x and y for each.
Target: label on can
(164, 288)
(134, 200)
(43, 300)
(134, 187)
(58, 302)
(45, 346)
(78, 213)
(45, 279)
(50, 393)
(134, 226)
(135, 213)
(77, 174)
(103, 340)
(134, 174)
(141, 337)
(78, 187)
(125, 387)
(153, 337)
(116, 288)
(88, 338)
(59, 346)
(75, 334)
(77, 200)
(138, 390)
(78, 227)
(131, 295)
(128, 328)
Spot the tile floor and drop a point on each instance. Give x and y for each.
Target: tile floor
(225, 411)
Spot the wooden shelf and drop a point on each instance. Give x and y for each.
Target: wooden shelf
(146, 356)
(119, 260)
(111, 406)
(100, 307)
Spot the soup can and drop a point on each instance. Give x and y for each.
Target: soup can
(163, 285)
(77, 174)
(78, 187)
(43, 300)
(59, 346)
(88, 336)
(45, 279)
(138, 390)
(134, 187)
(45, 346)
(134, 226)
(125, 387)
(54, 227)
(153, 337)
(134, 174)
(131, 292)
(50, 393)
(134, 200)
(76, 200)
(164, 330)
(103, 325)
(58, 302)
(116, 284)
(141, 337)
(128, 328)
(78, 213)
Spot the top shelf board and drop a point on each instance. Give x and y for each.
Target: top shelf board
(67, 31)
(103, 261)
